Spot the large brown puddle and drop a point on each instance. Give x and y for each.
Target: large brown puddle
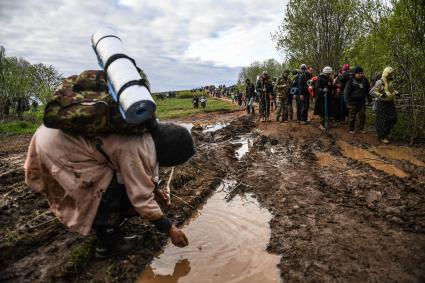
(370, 158)
(398, 153)
(228, 243)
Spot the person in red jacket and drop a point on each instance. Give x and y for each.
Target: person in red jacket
(312, 85)
(341, 110)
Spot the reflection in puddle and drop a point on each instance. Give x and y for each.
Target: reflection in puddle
(206, 128)
(188, 126)
(246, 144)
(215, 127)
(181, 269)
(227, 243)
(398, 153)
(370, 158)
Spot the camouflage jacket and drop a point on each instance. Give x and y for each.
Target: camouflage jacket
(82, 105)
(282, 87)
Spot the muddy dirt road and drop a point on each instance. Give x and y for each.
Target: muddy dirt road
(342, 207)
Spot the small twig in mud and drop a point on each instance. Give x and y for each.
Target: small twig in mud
(246, 185)
(168, 188)
(182, 200)
(202, 145)
(374, 159)
(31, 220)
(5, 196)
(10, 172)
(42, 224)
(231, 191)
(237, 186)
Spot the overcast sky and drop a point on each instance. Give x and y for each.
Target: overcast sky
(180, 44)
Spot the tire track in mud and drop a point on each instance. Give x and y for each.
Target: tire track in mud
(355, 224)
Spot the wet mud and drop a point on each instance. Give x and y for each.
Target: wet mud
(328, 211)
(373, 160)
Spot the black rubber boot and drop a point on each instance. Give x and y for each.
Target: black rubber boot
(110, 216)
(110, 242)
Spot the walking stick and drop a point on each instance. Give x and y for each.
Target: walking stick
(326, 110)
(267, 104)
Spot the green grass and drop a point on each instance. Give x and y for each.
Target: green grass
(166, 109)
(29, 123)
(80, 256)
(18, 127)
(177, 108)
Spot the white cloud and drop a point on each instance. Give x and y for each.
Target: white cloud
(237, 47)
(180, 44)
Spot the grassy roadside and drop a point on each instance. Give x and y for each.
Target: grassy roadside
(18, 127)
(166, 109)
(177, 108)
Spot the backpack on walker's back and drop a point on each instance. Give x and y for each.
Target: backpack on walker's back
(82, 105)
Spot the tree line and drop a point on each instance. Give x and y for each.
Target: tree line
(370, 33)
(23, 85)
(271, 66)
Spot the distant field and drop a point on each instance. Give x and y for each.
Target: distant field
(181, 107)
(166, 109)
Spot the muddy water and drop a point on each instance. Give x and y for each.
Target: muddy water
(188, 126)
(326, 159)
(206, 128)
(227, 244)
(245, 144)
(398, 153)
(213, 128)
(370, 158)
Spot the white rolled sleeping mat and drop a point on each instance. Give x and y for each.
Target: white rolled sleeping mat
(126, 86)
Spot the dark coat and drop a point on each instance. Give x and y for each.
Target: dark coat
(356, 91)
(303, 77)
(264, 84)
(250, 91)
(324, 99)
(343, 79)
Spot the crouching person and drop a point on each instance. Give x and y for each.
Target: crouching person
(93, 184)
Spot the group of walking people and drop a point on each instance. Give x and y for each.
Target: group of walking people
(337, 98)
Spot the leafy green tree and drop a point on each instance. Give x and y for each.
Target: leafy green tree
(45, 80)
(316, 32)
(271, 66)
(21, 82)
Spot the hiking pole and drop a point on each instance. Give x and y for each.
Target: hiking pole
(267, 104)
(326, 110)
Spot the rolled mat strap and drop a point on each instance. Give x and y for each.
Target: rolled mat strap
(141, 82)
(117, 56)
(106, 36)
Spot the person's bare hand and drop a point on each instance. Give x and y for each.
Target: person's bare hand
(178, 238)
(302, 97)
